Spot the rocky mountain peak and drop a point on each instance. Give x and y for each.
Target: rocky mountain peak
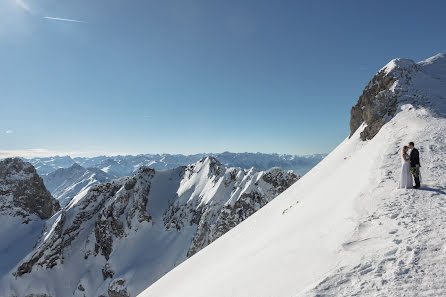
(22, 192)
(400, 81)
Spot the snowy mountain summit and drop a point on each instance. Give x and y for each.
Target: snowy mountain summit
(345, 229)
(400, 81)
(123, 235)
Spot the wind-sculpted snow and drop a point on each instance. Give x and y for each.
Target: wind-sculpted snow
(125, 234)
(345, 229)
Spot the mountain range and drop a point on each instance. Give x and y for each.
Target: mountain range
(140, 226)
(67, 178)
(120, 166)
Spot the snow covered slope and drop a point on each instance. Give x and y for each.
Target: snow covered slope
(66, 183)
(25, 204)
(125, 234)
(344, 229)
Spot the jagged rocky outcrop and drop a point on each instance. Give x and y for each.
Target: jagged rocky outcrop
(141, 225)
(117, 288)
(380, 98)
(105, 214)
(22, 191)
(248, 191)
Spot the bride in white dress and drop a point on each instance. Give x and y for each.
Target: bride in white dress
(406, 181)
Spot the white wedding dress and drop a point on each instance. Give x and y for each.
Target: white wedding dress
(406, 181)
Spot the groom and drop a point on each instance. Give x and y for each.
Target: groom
(415, 164)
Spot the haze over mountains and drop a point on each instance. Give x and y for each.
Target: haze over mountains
(119, 166)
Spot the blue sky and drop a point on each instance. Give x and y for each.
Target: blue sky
(197, 76)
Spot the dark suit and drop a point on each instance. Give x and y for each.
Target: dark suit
(414, 161)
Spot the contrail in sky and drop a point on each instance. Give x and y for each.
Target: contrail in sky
(25, 7)
(65, 20)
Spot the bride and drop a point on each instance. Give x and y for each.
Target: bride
(406, 181)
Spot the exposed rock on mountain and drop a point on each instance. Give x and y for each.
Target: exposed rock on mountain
(25, 204)
(22, 192)
(125, 234)
(379, 100)
(248, 190)
(75, 181)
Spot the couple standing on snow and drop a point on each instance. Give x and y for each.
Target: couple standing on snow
(410, 166)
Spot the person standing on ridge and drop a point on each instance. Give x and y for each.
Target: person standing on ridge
(415, 164)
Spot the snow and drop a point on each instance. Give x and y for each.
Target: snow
(275, 254)
(17, 239)
(435, 66)
(106, 169)
(344, 229)
(66, 184)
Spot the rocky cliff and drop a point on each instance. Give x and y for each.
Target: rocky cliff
(22, 192)
(390, 87)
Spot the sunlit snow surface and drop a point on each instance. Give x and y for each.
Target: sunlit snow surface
(344, 229)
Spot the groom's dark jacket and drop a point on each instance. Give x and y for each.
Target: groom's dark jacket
(414, 158)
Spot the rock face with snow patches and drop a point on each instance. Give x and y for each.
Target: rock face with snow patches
(247, 190)
(25, 204)
(125, 234)
(380, 98)
(67, 183)
(22, 192)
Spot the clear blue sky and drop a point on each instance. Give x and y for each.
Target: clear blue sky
(194, 76)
